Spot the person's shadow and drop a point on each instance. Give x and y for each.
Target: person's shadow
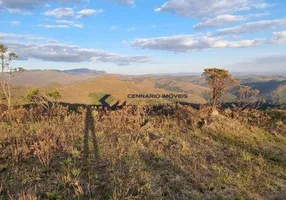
(95, 174)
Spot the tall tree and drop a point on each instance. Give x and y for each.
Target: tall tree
(278, 96)
(7, 72)
(219, 80)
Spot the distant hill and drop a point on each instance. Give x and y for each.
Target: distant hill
(85, 85)
(266, 87)
(118, 88)
(47, 77)
(84, 72)
(178, 86)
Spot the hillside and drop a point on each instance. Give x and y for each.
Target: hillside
(141, 154)
(178, 86)
(83, 72)
(47, 77)
(266, 87)
(87, 86)
(118, 88)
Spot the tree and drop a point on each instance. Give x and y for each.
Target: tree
(279, 95)
(247, 95)
(219, 80)
(34, 96)
(55, 95)
(7, 72)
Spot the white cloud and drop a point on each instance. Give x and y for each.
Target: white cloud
(59, 52)
(223, 20)
(113, 28)
(18, 11)
(208, 8)
(56, 26)
(131, 29)
(220, 20)
(70, 23)
(279, 37)
(270, 63)
(88, 12)
(30, 4)
(15, 23)
(13, 10)
(78, 25)
(23, 37)
(263, 5)
(186, 43)
(123, 2)
(60, 12)
(253, 27)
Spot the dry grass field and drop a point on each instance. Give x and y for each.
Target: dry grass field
(164, 152)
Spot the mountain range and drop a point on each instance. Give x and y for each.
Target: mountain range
(86, 85)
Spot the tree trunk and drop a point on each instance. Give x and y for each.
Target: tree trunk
(4, 84)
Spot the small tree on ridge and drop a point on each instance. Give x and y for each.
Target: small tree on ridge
(219, 80)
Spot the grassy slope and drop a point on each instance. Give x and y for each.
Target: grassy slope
(119, 89)
(133, 156)
(78, 92)
(43, 78)
(181, 86)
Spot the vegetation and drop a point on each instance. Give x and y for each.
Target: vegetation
(160, 152)
(34, 96)
(219, 80)
(55, 95)
(7, 72)
(279, 95)
(157, 151)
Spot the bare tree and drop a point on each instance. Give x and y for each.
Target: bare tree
(219, 80)
(247, 97)
(7, 72)
(279, 95)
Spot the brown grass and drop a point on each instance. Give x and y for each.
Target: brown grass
(144, 153)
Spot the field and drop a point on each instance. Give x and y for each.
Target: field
(149, 149)
(164, 152)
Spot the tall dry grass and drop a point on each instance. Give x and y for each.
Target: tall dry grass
(148, 152)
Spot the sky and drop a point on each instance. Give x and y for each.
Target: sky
(146, 36)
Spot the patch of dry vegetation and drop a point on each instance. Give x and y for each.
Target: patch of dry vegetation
(156, 152)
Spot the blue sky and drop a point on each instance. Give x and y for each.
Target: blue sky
(144, 36)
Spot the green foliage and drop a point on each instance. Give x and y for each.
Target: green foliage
(54, 94)
(3, 48)
(53, 196)
(32, 94)
(246, 156)
(228, 97)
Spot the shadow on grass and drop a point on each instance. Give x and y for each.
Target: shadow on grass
(95, 176)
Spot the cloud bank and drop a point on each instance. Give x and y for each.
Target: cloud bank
(48, 50)
(186, 43)
(209, 8)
